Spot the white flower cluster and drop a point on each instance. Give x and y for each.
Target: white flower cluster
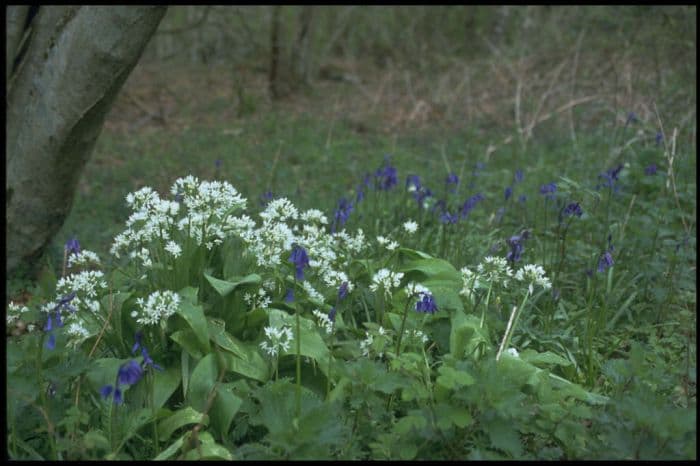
(368, 345)
(83, 258)
(410, 227)
(14, 312)
(158, 307)
(416, 289)
(277, 338)
(387, 242)
(173, 248)
(323, 321)
(470, 281)
(386, 280)
(495, 270)
(257, 300)
(533, 275)
(88, 286)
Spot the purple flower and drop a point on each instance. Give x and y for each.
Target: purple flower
(360, 194)
(300, 260)
(147, 361)
(650, 169)
(515, 243)
(421, 195)
(51, 342)
(129, 373)
(63, 303)
(106, 391)
(413, 181)
(610, 177)
(289, 295)
(469, 204)
(218, 163)
(452, 178)
(342, 214)
(385, 178)
(343, 291)
(426, 303)
(138, 337)
(72, 246)
(508, 192)
(519, 176)
(605, 261)
(573, 209)
(659, 138)
(331, 315)
(448, 218)
(631, 118)
(548, 189)
(522, 198)
(266, 197)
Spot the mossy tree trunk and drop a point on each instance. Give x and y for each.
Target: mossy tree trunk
(65, 67)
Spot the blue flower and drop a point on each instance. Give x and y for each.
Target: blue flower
(448, 218)
(610, 178)
(266, 197)
(631, 118)
(51, 342)
(72, 246)
(421, 195)
(508, 192)
(218, 163)
(426, 304)
(452, 178)
(519, 175)
(289, 296)
(129, 373)
(548, 189)
(385, 178)
(573, 209)
(515, 243)
(413, 181)
(650, 169)
(605, 261)
(331, 315)
(659, 138)
(343, 291)
(147, 361)
(300, 260)
(63, 303)
(106, 390)
(342, 213)
(138, 337)
(469, 204)
(522, 198)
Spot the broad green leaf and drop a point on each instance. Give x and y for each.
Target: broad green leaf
(543, 359)
(104, 372)
(202, 382)
(434, 270)
(188, 341)
(194, 315)
(408, 423)
(412, 254)
(224, 408)
(452, 378)
(171, 450)
(224, 287)
(165, 384)
(504, 437)
(183, 417)
(242, 358)
(208, 450)
(466, 334)
(312, 345)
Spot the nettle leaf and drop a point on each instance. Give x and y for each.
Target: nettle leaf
(504, 436)
(225, 287)
(277, 403)
(202, 382)
(451, 378)
(448, 415)
(414, 421)
(543, 359)
(208, 449)
(180, 418)
(194, 316)
(466, 334)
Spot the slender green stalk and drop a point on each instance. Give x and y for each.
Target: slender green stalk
(486, 305)
(298, 342)
(403, 326)
(512, 323)
(152, 402)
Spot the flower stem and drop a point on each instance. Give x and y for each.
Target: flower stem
(512, 323)
(403, 326)
(298, 342)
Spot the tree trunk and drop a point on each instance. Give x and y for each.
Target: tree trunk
(58, 95)
(273, 77)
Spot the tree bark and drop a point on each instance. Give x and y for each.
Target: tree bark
(57, 99)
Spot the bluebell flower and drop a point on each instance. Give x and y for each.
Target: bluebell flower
(331, 314)
(440, 206)
(72, 246)
(218, 163)
(448, 218)
(548, 189)
(289, 295)
(631, 118)
(605, 261)
(300, 260)
(413, 183)
(659, 138)
(469, 204)
(426, 304)
(508, 192)
(385, 178)
(148, 361)
(610, 177)
(452, 178)
(266, 197)
(138, 337)
(106, 390)
(522, 198)
(499, 213)
(51, 342)
(519, 175)
(343, 291)
(63, 303)
(573, 209)
(421, 195)
(650, 169)
(341, 214)
(515, 243)
(129, 373)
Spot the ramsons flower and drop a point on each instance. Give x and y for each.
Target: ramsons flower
(158, 307)
(495, 270)
(277, 338)
(385, 279)
(533, 275)
(410, 227)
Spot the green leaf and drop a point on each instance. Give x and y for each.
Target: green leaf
(312, 344)
(224, 408)
(202, 382)
(104, 372)
(505, 437)
(452, 378)
(466, 334)
(194, 315)
(208, 450)
(171, 450)
(180, 418)
(242, 358)
(224, 287)
(165, 384)
(188, 341)
(408, 423)
(434, 270)
(543, 359)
